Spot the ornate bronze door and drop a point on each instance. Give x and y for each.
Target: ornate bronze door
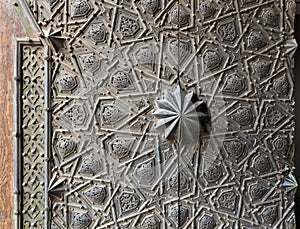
(155, 114)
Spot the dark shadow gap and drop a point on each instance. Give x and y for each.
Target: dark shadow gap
(297, 115)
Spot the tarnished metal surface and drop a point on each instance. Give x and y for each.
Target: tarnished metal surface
(31, 135)
(160, 114)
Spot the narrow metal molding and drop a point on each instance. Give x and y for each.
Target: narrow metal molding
(48, 133)
(17, 142)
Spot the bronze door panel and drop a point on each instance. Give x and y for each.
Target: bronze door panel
(156, 114)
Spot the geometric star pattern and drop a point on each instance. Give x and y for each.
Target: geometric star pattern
(107, 66)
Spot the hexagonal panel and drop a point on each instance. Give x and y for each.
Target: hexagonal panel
(109, 114)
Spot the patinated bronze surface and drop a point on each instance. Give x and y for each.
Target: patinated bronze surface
(156, 114)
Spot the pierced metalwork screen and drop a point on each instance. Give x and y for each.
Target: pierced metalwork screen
(156, 114)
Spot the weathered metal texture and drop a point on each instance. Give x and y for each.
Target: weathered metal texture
(30, 135)
(162, 114)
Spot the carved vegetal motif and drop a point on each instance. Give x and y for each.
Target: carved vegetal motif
(291, 8)
(212, 59)
(282, 86)
(80, 8)
(33, 136)
(213, 173)
(145, 56)
(81, 220)
(228, 200)
(234, 148)
(207, 8)
(151, 222)
(97, 194)
(128, 202)
(183, 183)
(66, 146)
(121, 80)
(67, 83)
(151, 6)
(262, 164)
(270, 214)
(76, 114)
(257, 40)
(270, 16)
(109, 114)
(179, 50)
(282, 145)
(234, 84)
(228, 31)
(215, 77)
(262, 67)
(97, 33)
(274, 116)
(145, 171)
(179, 214)
(90, 165)
(257, 191)
(243, 116)
(207, 222)
(128, 27)
(179, 15)
(121, 148)
(91, 63)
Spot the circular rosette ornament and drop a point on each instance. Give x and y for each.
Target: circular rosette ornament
(180, 116)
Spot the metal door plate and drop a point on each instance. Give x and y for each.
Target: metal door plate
(155, 114)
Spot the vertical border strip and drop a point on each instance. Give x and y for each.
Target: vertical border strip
(19, 169)
(48, 132)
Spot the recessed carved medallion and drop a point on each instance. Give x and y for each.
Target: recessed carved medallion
(179, 215)
(228, 31)
(228, 200)
(128, 27)
(66, 146)
(150, 6)
(90, 165)
(97, 33)
(257, 40)
(212, 59)
(179, 15)
(81, 220)
(97, 194)
(207, 222)
(128, 202)
(207, 8)
(81, 8)
(151, 222)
